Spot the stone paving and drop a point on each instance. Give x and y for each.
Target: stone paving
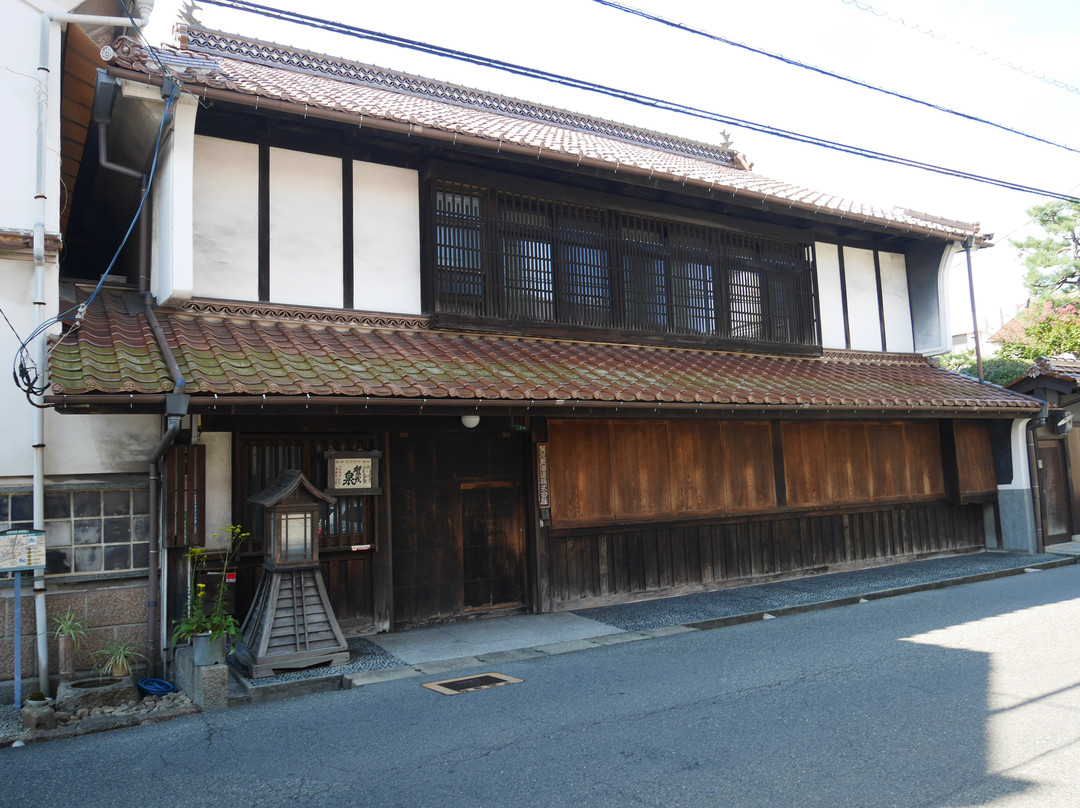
(704, 606)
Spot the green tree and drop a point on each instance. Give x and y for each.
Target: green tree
(1053, 261)
(996, 369)
(1051, 328)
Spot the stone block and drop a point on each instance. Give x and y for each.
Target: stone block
(29, 655)
(117, 606)
(36, 716)
(206, 685)
(93, 692)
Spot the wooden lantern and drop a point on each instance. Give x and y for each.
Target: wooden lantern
(291, 623)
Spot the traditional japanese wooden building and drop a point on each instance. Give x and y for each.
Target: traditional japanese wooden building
(584, 362)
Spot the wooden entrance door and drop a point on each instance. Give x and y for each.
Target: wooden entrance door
(457, 520)
(493, 544)
(1058, 526)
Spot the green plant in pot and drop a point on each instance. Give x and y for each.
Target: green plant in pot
(208, 617)
(70, 631)
(116, 658)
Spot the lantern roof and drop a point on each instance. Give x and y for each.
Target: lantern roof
(286, 483)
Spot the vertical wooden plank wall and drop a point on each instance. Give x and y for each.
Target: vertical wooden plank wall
(659, 506)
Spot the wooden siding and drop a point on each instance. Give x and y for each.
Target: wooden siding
(590, 567)
(974, 458)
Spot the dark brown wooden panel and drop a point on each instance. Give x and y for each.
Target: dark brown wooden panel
(697, 467)
(804, 463)
(888, 461)
(580, 472)
(748, 453)
(847, 463)
(923, 442)
(640, 462)
(974, 457)
(185, 497)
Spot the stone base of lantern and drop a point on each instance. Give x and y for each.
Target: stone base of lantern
(291, 624)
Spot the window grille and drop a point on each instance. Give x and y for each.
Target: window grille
(520, 257)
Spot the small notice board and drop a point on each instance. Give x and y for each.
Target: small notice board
(21, 550)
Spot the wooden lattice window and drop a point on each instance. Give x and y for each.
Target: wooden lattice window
(526, 258)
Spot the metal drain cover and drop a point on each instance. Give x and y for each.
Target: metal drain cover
(467, 684)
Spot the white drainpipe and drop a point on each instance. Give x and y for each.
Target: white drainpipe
(40, 197)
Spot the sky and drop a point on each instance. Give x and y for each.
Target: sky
(879, 42)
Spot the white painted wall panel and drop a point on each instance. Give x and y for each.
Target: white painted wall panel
(218, 485)
(386, 235)
(864, 322)
(99, 444)
(830, 296)
(226, 219)
(305, 229)
(172, 258)
(894, 297)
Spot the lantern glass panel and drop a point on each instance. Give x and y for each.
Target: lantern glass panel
(295, 536)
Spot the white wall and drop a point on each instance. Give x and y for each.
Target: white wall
(16, 294)
(864, 322)
(226, 219)
(19, 57)
(99, 444)
(172, 259)
(894, 295)
(218, 485)
(830, 296)
(305, 229)
(386, 238)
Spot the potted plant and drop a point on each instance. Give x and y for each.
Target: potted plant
(116, 658)
(207, 627)
(70, 631)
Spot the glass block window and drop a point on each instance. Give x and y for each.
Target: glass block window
(87, 532)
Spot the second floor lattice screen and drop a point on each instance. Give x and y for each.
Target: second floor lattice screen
(514, 256)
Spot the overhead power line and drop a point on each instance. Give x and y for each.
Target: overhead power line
(985, 54)
(823, 72)
(625, 95)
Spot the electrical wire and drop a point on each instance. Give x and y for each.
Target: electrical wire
(625, 95)
(823, 72)
(28, 377)
(985, 54)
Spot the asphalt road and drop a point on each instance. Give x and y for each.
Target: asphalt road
(957, 697)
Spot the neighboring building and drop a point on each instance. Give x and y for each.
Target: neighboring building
(587, 363)
(1057, 444)
(94, 469)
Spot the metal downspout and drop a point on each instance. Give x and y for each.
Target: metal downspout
(175, 409)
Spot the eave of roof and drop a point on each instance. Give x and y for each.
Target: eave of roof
(247, 351)
(271, 77)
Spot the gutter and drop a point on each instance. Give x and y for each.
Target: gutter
(176, 406)
(209, 402)
(1033, 463)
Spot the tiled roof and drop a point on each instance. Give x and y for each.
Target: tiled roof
(1067, 370)
(271, 76)
(254, 350)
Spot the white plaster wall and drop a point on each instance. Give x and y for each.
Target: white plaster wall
(305, 229)
(894, 297)
(386, 238)
(16, 296)
(864, 323)
(830, 296)
(226, 219)
(172, 257)
(1021, 467)
(99, 444)
(218, 485)
(19, 58)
